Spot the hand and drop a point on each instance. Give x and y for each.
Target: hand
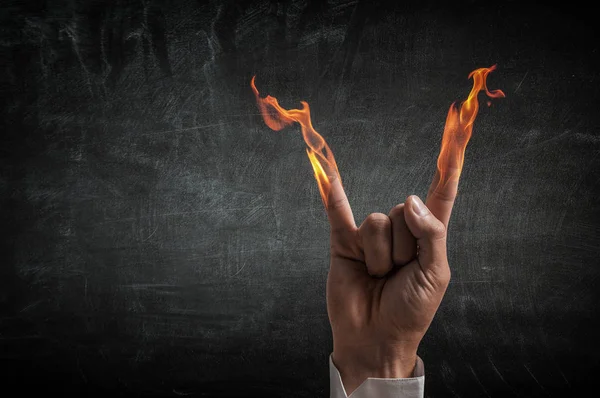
(386, 281)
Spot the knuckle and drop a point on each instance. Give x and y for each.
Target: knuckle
(376, 223)
(438, 230)
(338, 203)
(397, 212)
(443, 195)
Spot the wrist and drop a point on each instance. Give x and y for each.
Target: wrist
(357, 364)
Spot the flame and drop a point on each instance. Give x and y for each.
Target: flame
(459, 127)
(320, 155)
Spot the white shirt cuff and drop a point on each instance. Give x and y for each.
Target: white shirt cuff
(411, 387)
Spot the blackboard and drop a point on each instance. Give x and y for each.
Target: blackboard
(160, 240)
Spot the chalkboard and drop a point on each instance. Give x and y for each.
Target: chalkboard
(160, 240)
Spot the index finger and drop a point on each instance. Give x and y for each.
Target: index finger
(332, 192)
(338, 208)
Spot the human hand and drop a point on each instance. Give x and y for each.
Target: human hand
(388, 277)
(386, 281)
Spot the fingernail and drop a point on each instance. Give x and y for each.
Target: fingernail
(419, 207)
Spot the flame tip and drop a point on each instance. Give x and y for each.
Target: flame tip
(459, 127)
(276, 117)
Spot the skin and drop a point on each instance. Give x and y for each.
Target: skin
(386, 281)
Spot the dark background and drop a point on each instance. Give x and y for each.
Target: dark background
(160, 240)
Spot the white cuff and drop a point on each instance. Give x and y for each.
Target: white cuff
(411, 387)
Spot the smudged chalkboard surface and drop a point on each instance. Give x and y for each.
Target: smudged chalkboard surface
(159, 240)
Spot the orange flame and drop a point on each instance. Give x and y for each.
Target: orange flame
(320, 156)
(459, 127)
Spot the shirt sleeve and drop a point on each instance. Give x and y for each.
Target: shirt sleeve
(411, 387)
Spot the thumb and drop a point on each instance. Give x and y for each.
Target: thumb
(430, 234)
